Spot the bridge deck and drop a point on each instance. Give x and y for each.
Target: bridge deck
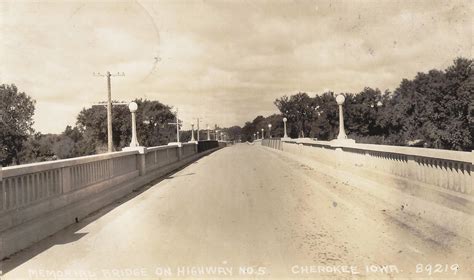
(242, 206)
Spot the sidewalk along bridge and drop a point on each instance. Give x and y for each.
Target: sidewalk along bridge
(292, 208)
(437, 184)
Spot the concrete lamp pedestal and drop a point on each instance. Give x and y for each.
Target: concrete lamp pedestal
(342, 138)
(141, 158)
(192, 135)
(342, 142)
(179, 144)
(133, 109)
(140, 149)
(285, 135)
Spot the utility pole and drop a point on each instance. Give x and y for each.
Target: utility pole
(178, 124)
(198, 129)
(109, 107)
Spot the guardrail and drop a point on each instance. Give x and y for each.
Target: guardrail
(272, 143)
(450, 170)
(39, 199)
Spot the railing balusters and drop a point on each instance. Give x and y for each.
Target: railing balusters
(448, 172)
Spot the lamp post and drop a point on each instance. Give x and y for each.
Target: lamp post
(258, 136)
(217, 135)
(263, 134)
(198, 122)
(208, 133)
(192, 133)
(342, 133)
(284, 128)
(269, 130)
(133, 109)
(254, 136)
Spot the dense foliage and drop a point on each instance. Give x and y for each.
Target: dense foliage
(435, 109)
(152, 125)
(19, 144)
(16, 112)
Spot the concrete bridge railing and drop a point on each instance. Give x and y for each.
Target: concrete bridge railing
(448, 170)
(37, 200)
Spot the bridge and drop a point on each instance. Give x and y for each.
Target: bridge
(272, 208)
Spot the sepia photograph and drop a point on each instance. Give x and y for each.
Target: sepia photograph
(236, 139)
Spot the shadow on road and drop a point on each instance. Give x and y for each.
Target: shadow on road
(70, 233)
(181, 175)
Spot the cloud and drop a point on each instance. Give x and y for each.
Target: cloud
(224, 61)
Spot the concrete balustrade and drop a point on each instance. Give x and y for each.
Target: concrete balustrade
(37, 200)
(272, 143)
(157, 157)
(443, 169)
(189, 149)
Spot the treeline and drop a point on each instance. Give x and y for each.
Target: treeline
(434, 109)
(89, 135)
(20, 144)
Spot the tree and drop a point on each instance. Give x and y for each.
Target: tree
(252, 127)
(152, 125)
(259, 123)
(234, 133)
(324, 125)
(434, 108)
(459, 128)
(247, 132)
(363, 112)
(16, 121)
(299, 109)
(37, 148)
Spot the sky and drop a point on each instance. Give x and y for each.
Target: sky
(223, 61)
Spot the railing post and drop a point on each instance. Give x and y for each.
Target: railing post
(110, 165)
(366, 163)
(141, 161)
(141, 158)
(339, 157)
(412, 168)
(66, 184)
(180, 152)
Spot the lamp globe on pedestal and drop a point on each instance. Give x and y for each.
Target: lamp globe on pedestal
(133, 109)
(284, 128)
(342, 133)
(340, 99)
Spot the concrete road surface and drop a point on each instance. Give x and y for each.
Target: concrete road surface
(247, 211)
